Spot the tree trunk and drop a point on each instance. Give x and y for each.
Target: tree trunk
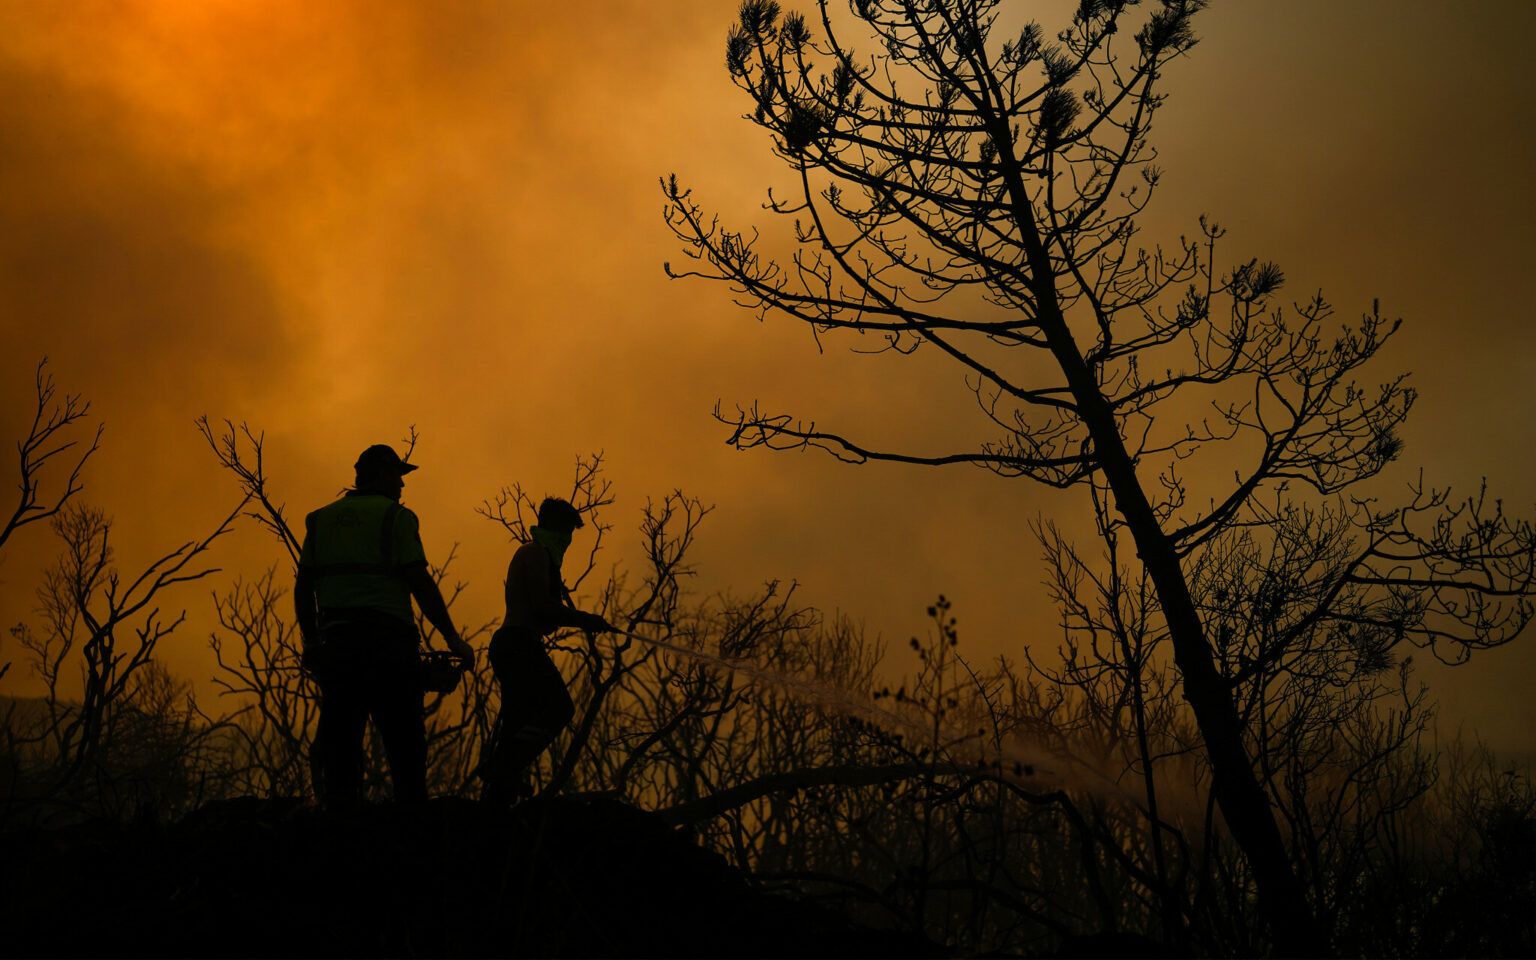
(1243, 802)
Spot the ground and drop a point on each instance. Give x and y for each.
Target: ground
(564, 877)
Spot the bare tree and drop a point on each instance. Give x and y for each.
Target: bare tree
(131, 729)
(1338, 730)
(107, 627)
(44, 442)
(977, 195)
(258, 665)
(246, 460)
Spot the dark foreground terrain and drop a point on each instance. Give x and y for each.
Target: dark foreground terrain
(566, 877)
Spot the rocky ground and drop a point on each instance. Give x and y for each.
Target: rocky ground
(564, 877)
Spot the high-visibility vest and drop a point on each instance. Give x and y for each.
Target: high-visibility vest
(357, 550)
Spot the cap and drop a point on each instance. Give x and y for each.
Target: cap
(381, 458)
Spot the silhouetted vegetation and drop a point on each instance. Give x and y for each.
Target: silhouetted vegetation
(1230, 756)
(977, 194)
(1009, 807)
(562, 877)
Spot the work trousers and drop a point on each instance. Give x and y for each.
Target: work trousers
(535, 707)
(370, 669)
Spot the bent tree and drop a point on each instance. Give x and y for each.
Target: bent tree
(974, 189)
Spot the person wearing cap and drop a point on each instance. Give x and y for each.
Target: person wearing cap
(360, 565)
(535, 705)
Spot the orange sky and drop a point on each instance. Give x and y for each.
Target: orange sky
(336, 220)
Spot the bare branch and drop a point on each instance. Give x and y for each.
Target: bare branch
(43, 443)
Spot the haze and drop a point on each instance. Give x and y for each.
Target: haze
(338, 220)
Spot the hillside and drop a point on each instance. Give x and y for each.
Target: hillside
(566, 877)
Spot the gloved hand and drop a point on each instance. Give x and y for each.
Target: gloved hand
(594, 623)
(462, 649)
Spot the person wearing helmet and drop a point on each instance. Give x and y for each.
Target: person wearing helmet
(535, 705)
(359, 567)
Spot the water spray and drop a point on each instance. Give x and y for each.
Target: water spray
(1023, 764)
(1019, 765)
